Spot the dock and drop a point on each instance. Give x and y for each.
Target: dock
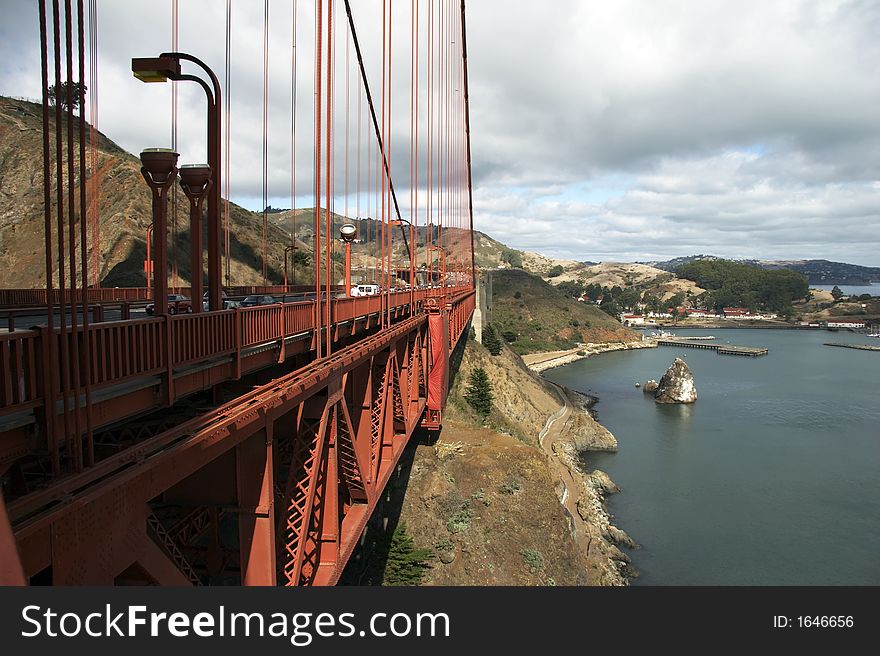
(721, 349)
(860, 347)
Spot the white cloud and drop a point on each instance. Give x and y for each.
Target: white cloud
(601, 130)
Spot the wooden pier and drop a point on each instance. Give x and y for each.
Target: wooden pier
(721, 349)
(860, 347)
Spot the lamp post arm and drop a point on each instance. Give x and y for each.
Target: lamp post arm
(214, 157)
(198, 62)
(204, 85)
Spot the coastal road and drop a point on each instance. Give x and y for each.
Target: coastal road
(553, 432)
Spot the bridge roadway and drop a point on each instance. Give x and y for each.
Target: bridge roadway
(273, 487)
(189, 352)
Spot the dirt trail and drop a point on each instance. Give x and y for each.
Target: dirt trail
(554, 431)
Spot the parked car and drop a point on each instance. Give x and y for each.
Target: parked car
(177, 303)
(258, 299)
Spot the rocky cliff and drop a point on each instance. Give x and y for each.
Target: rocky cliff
(505, 501)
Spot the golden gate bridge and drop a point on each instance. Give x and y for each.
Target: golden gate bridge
(250, 444)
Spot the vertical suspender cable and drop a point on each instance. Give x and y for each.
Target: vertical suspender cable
(264, 249)
(319, 10)
(49, 348)
(83, 242)
(467, 134)
(328, 234)
(293, 81)
(94, 164)
(226, 154)
(76, 450)
(174, 48)
(59, 187)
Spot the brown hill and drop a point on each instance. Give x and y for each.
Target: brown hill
(124, 209)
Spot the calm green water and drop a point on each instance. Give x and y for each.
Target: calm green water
(771, 478)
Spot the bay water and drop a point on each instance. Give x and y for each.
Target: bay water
(771, 478)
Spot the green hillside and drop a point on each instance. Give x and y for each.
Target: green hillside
(541, 318)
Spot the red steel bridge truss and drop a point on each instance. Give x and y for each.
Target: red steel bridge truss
(240, 446)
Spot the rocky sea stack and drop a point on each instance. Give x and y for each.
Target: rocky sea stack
(677, 384)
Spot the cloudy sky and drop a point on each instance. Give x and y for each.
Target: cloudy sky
(607, 130)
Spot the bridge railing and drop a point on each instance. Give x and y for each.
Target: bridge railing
(119, 350)
(196, 337)
(19, 370)
(122, 350)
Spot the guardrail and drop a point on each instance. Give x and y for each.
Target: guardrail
(19, 369)
(122, 350)
(37, 297)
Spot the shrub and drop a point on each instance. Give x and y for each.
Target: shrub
(555, 270)
(533, 559)
(510, 487)
(509, 336)
(517, 295)
(461, 520)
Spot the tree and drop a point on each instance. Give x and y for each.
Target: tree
(512, 258)
(570, 288)
(555, 270)
(479, 392)
(836, 293)
(58, 95)
(406, 563)
(491, 340)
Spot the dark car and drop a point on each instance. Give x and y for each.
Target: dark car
(258, 299)
(228, 303)
(177, 303)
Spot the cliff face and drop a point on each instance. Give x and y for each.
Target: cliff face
(506, 503)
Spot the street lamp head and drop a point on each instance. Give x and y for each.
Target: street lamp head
(155, 69)
(194, 178)
(348, 232)
(159, 163)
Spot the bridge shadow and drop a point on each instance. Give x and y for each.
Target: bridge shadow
(368, 562)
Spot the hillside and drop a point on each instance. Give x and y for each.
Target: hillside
(124, 209)
(818, 272)
(659, 283)
(541, 318)
(493, 506)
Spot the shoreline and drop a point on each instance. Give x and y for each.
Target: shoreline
(567, 434)
(562, 358)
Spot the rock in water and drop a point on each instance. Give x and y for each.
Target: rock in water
(650, 386)
(677, 384)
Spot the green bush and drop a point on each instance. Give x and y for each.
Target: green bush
(533, 559)
(509, 336)
(555, 271)
(461, 520)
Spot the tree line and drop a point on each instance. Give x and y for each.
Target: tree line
(731, 284)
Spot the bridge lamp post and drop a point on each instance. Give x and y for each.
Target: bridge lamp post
(160, 171)
(148, 263)
(348, 233)
(287, 249)
(195, 180)
(167, 67)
